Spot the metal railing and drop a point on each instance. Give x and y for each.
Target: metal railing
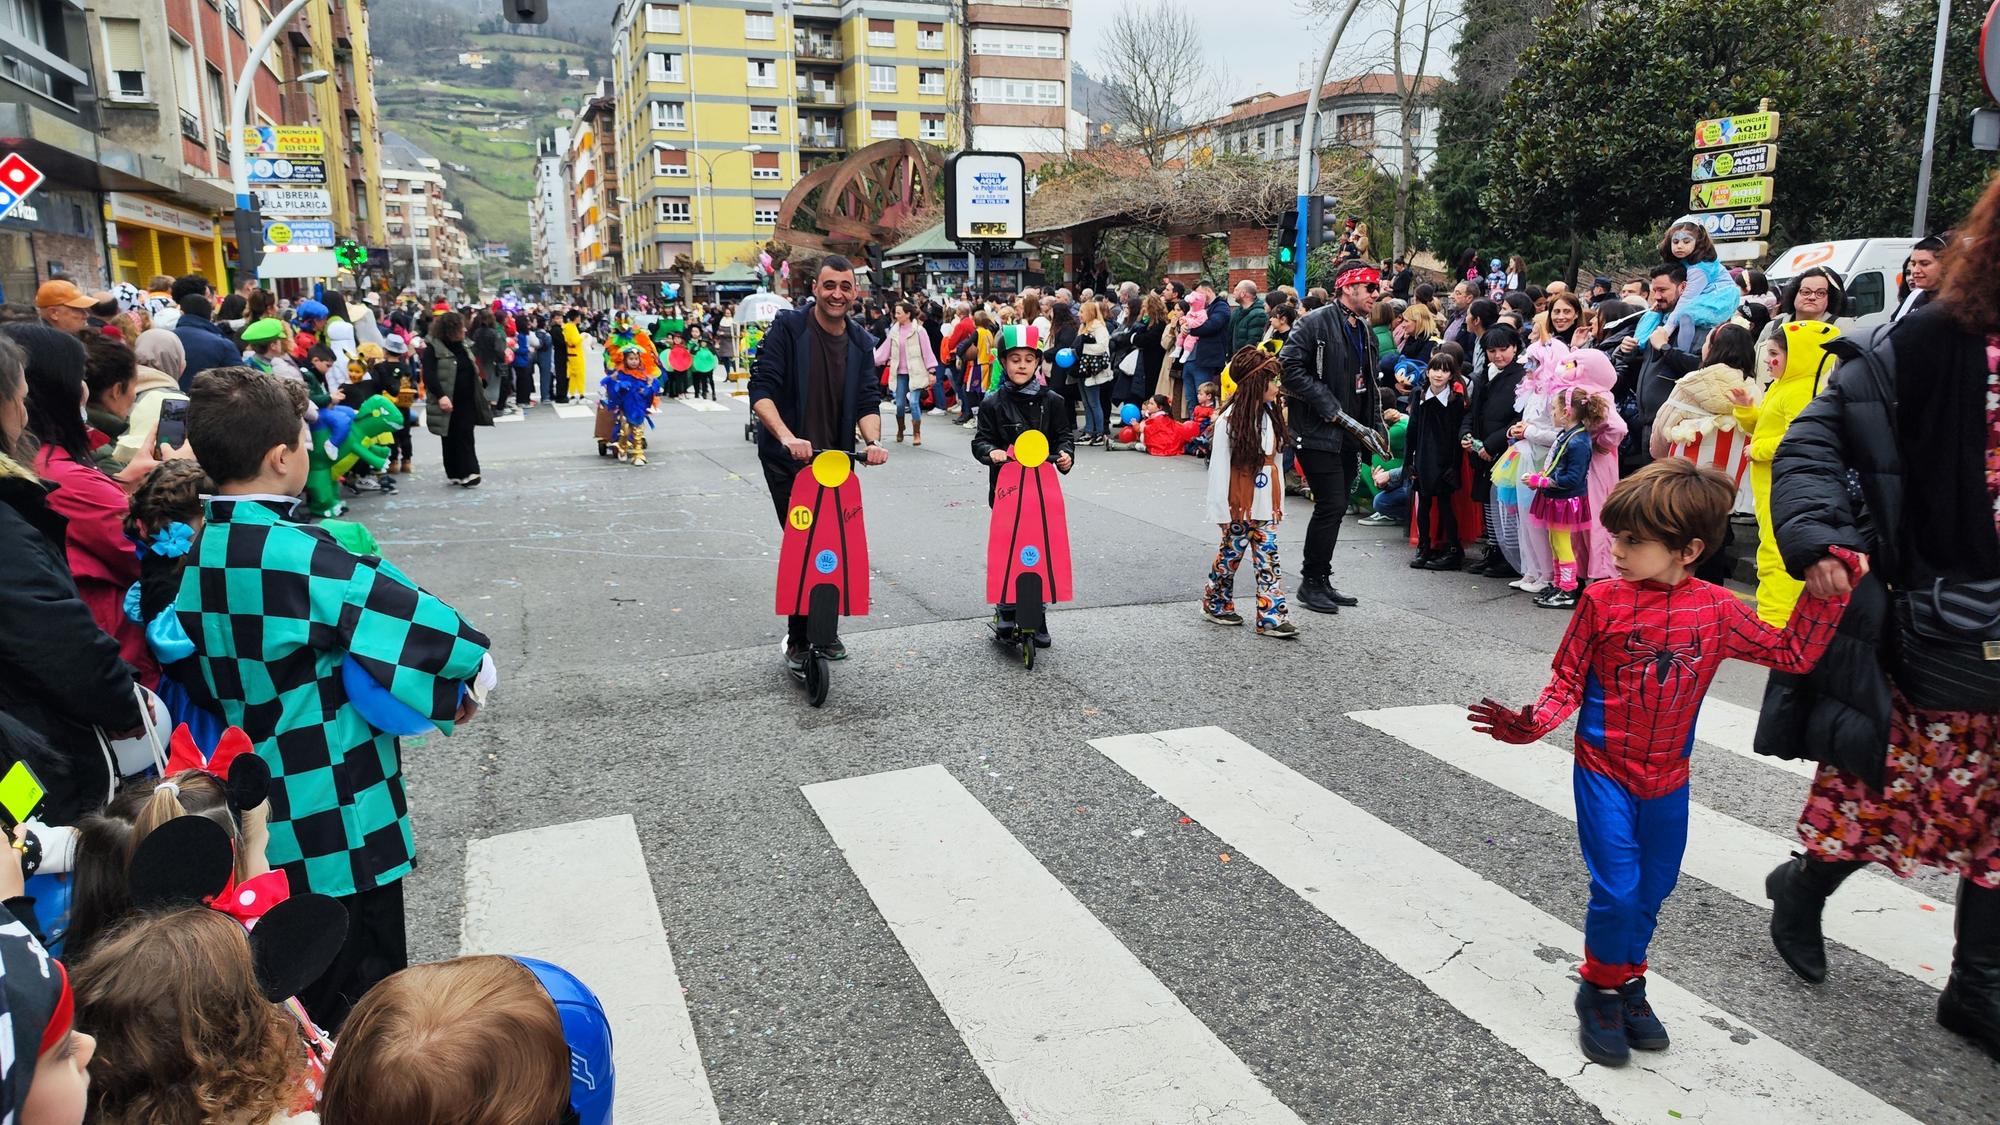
(816, 48)
(822, 138)
(190, 126)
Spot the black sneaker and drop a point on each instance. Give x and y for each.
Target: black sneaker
(1554, 598)
(1643, 1029)
(1226, 617)
(1042, 638)
(795, 656)
(837, 650)
(1600, 1029)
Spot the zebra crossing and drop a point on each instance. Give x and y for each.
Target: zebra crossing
(1068, 1024)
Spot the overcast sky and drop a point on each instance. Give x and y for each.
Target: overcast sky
(1263, 44)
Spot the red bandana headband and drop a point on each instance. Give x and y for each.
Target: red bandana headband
(1359, 275)
(64, 1017)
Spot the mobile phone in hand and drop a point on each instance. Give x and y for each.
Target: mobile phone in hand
(173, 423)
(21, 795)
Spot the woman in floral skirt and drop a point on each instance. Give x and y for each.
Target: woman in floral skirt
(1913, 417)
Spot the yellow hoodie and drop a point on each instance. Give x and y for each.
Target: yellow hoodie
(1765, 423)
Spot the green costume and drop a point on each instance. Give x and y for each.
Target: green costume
(274, 608)
(376, 421)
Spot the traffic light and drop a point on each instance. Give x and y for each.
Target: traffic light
(249, 241)
(1288, 233)
(350, 255)
(525, 11)
(874, 252)
(1324, 228)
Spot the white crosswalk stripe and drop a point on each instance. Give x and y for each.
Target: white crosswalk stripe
(1475, 944)
(1733, 727)
(522, 897)
(1884, 919)
(571, 411)
(1064, 1020)
(705, 406)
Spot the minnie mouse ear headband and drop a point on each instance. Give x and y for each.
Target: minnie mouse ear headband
(1358, 275)
(243, 774)
(188, 861)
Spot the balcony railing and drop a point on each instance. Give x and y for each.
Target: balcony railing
(822, 138)
(816, 48)
(190, 126)
(821, 95)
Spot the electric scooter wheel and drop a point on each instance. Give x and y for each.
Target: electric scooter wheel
(818, 678)
(1028, 652)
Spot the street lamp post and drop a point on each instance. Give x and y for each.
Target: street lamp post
(239, 113)
(1309, 146)
(701, 227)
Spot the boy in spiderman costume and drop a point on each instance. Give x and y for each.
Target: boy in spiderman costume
(1637, 659)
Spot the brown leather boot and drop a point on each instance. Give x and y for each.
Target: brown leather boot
(899, 427)
(917, 429)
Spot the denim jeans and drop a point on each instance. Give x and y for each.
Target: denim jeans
(1192, 378)
(1093, 411)
(1394, 502)
(905, 397)
(545, 363)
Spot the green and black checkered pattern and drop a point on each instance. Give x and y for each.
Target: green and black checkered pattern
(272, 607)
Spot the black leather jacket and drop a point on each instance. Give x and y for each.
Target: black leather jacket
(1319, 381)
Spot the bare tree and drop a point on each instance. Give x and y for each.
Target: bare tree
(1159, 75)
(1411, 46)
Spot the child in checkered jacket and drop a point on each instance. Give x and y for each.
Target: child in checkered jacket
(289, 628)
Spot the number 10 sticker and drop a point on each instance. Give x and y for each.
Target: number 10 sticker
(800, 517)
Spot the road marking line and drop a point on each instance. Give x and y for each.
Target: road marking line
(524, 894)
(1880, 918)
(1064, 1020)
(571, 410)
(703, 406)
(1733, 727)
(1491, 955)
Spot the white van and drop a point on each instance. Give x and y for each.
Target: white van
(1871, 267)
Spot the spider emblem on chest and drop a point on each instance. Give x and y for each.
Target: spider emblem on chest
(1661, 661)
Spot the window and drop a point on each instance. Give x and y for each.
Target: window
(764, 119)
(218, 105)
(664, 19)
(232, 14)
(882, 79)
(1260, 140)
(360, 193)
(1016, 91)
(881, 33)
(764, 166)
(930, 126)
(1017, 41)
(930, 82)
(125, 59)
(1354, 128)
(763, 72)
(186, 89)
(662, 66)
(882, 123)
(930, 37)
(675, 210)
(670, 115)
(760, 25)
(672, 162)
(765, 213)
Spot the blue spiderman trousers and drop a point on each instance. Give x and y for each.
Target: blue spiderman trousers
(1632, 847)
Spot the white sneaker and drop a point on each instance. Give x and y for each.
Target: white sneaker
(1375, 519)
(1529, 585)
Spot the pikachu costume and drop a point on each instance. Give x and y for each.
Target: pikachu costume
(1804, 373)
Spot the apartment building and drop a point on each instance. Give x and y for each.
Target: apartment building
(333, 37)
(549, 219)
(597, 220)
(1017, 78)
(722, 105)
(1363, 113)
(425, 243)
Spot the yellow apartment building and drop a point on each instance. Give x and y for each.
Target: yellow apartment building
(722, 105)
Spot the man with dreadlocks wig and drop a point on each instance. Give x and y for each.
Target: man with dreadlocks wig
(629, 392)
(1638, 657)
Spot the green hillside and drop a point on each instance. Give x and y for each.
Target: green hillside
(483, 122)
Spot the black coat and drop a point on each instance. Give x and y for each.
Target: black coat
(1317, 373)
(1906, 407)
(1489, 413)
(1432, 457)
(59, 673)
(780, 375)
(1006, 414)
(1147, 336)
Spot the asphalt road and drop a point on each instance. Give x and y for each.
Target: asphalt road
(787, 968)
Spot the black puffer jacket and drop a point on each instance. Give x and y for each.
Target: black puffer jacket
(59, 673)
(1011, 411)
(1318, 375)
(1839, 480)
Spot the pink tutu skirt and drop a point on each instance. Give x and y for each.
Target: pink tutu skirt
(1572, 514)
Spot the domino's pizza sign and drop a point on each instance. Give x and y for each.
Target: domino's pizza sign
(17, 179)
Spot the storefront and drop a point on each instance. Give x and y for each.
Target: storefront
(152, 238)
(54, 233)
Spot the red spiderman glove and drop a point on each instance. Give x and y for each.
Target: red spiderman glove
(1492, 718)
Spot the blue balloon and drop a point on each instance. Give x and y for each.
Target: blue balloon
(1066, 358)
(1128, 414)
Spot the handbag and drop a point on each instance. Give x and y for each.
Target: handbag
(1948, 646)
(1128, 365)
